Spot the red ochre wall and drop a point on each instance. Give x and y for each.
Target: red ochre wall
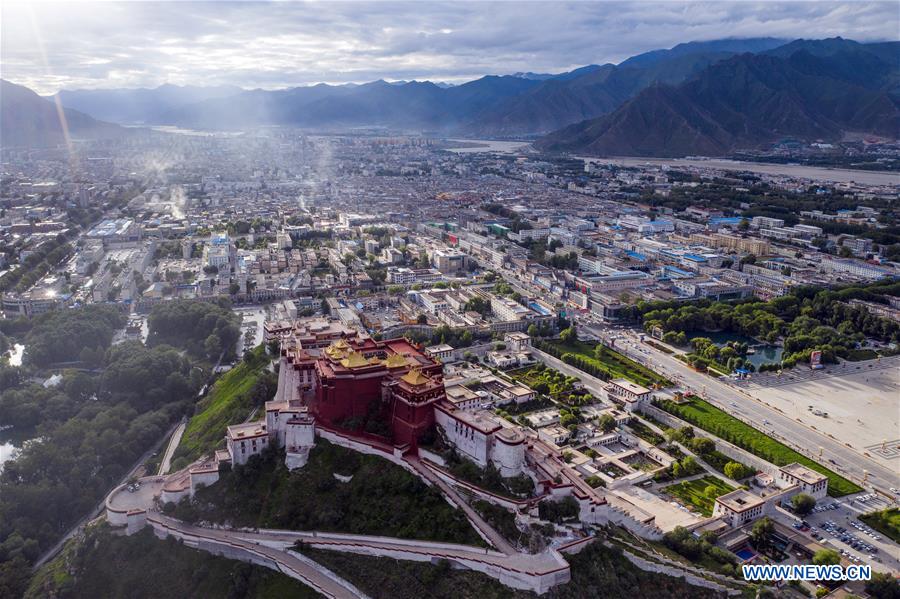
(346, 398)
(411, 421)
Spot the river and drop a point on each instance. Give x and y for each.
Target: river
(486, 145)
(812, 173)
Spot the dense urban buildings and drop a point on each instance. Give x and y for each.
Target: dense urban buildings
(626, 330)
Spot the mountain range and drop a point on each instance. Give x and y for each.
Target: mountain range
(695, 98)
(28, 120)
(804, 90)
(139, 106)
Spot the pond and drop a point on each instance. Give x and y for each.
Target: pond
(763, 352)
(11, 442)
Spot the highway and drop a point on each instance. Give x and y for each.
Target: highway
(837, 455)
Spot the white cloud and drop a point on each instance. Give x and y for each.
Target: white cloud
(129, 44)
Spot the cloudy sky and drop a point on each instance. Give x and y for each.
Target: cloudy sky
(48, 46)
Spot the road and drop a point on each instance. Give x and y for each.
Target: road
(166, 462)
(312, 575)
(846, 459)
(546, 568)
(487, 531)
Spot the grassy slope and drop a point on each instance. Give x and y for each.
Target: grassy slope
(711, 419)
(381, 498)
(227, 403)
(615, 364)
(693, 492)
(108, 565)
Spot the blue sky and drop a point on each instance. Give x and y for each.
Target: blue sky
(48, 46)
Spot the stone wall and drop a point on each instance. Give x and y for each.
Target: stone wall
(690, 578)
(732, 451)
(510, 504)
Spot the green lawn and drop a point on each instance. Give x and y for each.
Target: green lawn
(887, 522)
(229, 401)
(693, 492)
(604, 362)
(706, 416)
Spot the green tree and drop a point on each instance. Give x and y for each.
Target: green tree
(803, 503)
(826, 557)
(883, 586)
(736, 470)
(759, 534)
(703, 446)
(569, 335)
(606, 423)
(213, 346)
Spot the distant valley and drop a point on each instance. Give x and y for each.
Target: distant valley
(698, 98)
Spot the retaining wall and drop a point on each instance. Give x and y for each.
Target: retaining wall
(732, 451)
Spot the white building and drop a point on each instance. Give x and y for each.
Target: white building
(517, 341)
(855, 268)
(462, 397)
(449, 261)
(442, 352)
(507, 309)
(739, 507)
(481, 438)
(766, 222)
(631, 394)
(555, 434)
(246, 440)
(810, 482)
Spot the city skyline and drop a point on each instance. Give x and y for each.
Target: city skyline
(271, 46)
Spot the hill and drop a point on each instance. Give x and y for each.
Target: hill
(27, 120)
(747, 101)
(126, 106)
(413, 104)
(531, 103)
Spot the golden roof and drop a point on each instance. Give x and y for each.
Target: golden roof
(395, 361)
(355, 359)
(338, 349)
(415, 377)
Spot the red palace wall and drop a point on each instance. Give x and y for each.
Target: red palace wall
(343, 393)
(346, 398)
(410, 422)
